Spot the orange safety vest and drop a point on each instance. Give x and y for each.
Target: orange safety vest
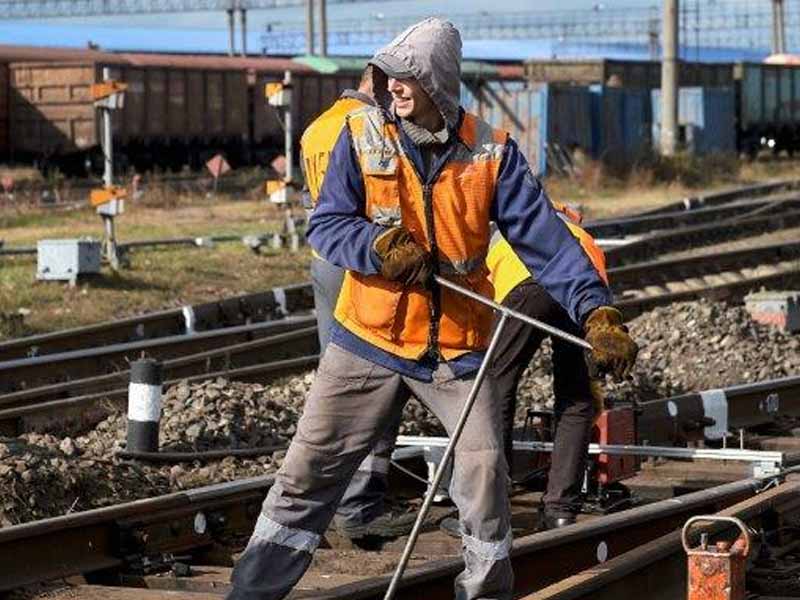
(316, 146)
(399, 319)
(507, 271)
(318, 141)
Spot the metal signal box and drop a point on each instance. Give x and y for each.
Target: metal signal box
(65, 260)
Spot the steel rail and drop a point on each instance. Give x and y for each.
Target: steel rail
(45, 413)
(236, 310)
(675, 420)
(785, 275)
(725, 196)
(661, 560)
(544, 558)
(99, 539)
(621, 227)
(698, 236)
(30, 372)
(290, 344)
(661, 272)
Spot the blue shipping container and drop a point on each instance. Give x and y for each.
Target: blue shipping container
(621, 122)
(706, 117)
(546, 120)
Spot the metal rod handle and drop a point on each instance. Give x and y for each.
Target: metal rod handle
(437, 478)
(513, 313)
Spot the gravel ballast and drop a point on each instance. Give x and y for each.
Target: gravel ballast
(684, 347)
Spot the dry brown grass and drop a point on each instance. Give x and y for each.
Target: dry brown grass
(174, 276)
(157, 278)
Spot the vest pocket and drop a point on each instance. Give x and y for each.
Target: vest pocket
(374, 301)
(466, 322)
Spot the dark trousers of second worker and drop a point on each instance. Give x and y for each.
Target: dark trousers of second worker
(574, 407)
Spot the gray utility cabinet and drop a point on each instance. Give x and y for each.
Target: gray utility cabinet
(66, 260)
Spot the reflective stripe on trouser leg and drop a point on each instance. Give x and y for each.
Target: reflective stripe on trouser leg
(350, 403)
(479, 486)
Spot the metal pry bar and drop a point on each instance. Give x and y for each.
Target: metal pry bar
(505, 313)
(513, 313)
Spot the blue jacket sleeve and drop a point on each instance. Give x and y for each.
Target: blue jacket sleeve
(527, 219)
(339, 229)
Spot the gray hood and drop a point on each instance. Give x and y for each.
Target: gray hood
(431, 52)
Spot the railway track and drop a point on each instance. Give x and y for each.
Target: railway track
(642, 224)
(26, 373)
(114, 544)
(773, 516)
(209, 316)
(659, 244)
(725, 196)
(90, 366)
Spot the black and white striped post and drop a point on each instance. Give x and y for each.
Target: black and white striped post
(144, 405)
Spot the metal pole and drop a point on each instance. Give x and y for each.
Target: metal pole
(108, 148)
(669, 79)
(513, 313)
(323, 27)
(310, 27)
(243, 17)
(231, 33)
(110, 239)
(437, 478)
(288, 131)
(778, 28)
(653, 37)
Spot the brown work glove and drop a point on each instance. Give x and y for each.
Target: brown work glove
(613, 350)
(402, 258)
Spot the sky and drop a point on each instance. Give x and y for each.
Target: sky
(207, 32)
(210, 28)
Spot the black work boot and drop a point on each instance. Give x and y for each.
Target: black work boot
(388, 526)
(451, 526)
(555, 520)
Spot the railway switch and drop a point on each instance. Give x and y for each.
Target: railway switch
(717, 571)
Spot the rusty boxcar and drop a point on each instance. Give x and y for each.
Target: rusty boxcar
(625, 73)
(170, 114)
(4, 150)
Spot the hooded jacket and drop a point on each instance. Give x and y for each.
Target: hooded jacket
(343, 232)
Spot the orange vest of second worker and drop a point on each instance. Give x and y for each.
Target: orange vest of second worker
(398, 319)
(318, 141)
(507, 271)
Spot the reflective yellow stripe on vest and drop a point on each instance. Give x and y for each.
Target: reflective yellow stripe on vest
(396, 318)
(507, 271)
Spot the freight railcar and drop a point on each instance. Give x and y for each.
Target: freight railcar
(170, 116)
(179, 109)
(4, 141)
(767, 96)
(768, 107)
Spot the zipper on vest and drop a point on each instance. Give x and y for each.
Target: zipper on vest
(435, 305)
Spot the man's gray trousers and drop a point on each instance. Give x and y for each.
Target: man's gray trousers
(350, 406)
(363, 501)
